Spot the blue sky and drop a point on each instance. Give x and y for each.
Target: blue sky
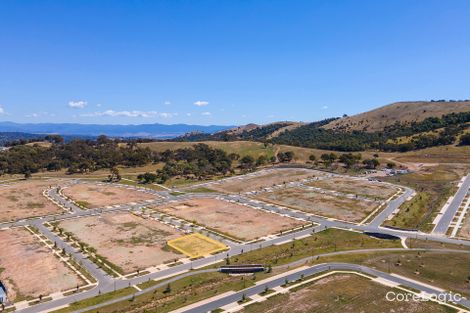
(226, 62)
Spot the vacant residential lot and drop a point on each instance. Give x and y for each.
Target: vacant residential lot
(24, 199)
(263, 179)
(361, 187)
(97, 195)
(196, 245)
(341, 293)
(30, 269)
(126, 240)
(334, 206)
(229, 218)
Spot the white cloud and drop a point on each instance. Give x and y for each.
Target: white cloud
(2, 110)
(80, 104)
(201, 103)
(167, 102)
(133, 113)
(98, 105)
(167, 115)
(188, 114)
(324, 107)
(39, 114)
(206, 113)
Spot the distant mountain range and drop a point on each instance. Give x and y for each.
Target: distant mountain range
(142, 130)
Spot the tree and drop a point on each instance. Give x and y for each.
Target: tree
(285, 156)
(328, 158)
(147, 178)
(371, 163)
(312, 157)
(167, 289)
(391, 165)
(234, 156)
(114, 174)
(262, 160)
(247, 162)
(349, 159)
(465, 140)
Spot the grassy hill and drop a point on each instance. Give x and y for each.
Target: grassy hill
(402, 112)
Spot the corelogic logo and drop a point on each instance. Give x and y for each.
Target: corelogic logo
(395, 296)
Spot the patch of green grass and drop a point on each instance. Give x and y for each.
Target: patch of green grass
(201, 190)
(34, 205)
(96, 300)
(82, 203)
(177, 193)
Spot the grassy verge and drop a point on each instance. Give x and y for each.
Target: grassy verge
(96, 300)
(428, 244)
(201, 190)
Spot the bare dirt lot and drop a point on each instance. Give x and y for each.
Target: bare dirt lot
(263, 179)
(321, 204)
(30, 269)
(101, 195)
(24, 199)
(235, 220)
(341, 293)
(126, 240)
(371, 189)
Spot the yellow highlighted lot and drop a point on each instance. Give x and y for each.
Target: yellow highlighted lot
(196, 245)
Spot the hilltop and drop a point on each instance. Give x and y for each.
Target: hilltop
(398, 112)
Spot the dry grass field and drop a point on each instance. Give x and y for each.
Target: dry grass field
(333, 206)
(126, 240)
(235, 220)
(100, 195)
(361, 187)
(196, 245)
(263, 179)
(254, 149)
(405, 112)
(29, 269)
(24, 198)
(341, 293)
